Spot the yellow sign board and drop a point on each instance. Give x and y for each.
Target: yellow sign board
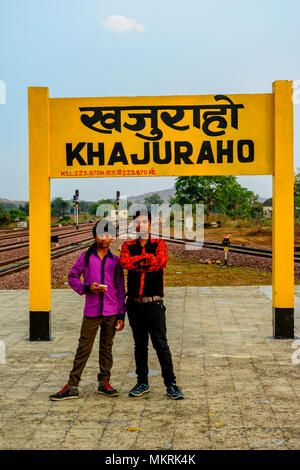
(161, 136)
(242, 134)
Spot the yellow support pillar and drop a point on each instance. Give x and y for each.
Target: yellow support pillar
(283, 212)
(39, 216)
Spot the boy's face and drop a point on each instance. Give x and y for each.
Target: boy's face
(104, 239)
(143, 226)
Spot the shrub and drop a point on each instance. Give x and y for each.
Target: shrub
(4, 217)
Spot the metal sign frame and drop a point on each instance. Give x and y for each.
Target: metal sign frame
(51, 126)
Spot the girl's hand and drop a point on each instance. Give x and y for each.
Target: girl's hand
(97, 289)
(119, 325)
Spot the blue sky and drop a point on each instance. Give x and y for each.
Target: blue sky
(169, 47)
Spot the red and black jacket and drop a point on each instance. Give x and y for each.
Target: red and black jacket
(145, 266)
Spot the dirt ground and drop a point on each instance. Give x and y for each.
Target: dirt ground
(250, 236)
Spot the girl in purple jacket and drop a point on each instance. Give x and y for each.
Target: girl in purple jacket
(105, 294)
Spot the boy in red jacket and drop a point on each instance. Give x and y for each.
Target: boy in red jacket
(145, 258)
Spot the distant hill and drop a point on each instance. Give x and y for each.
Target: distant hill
(267, 202)
(9, 204)
(165, 194)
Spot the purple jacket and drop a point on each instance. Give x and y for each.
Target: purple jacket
(107, 271)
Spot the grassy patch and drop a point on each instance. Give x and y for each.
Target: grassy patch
(189, 272)
(193, 273)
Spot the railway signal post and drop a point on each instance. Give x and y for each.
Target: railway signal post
(74, 208)
(76, 202)
(226, 243)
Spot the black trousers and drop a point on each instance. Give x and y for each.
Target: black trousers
(150, 319)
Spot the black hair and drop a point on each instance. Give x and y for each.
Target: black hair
(138, 213)
(106, 227)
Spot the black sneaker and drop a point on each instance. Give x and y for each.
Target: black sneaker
(138, 390)
(65, 393)
(106, 389)
(174, 392)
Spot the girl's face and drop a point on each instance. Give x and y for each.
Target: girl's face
(104, 240)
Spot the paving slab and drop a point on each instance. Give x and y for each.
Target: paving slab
(242, 389)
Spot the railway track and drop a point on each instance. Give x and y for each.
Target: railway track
(25, 244)
(21, 263)
(54, 231)
(246, 250)
(25, 232)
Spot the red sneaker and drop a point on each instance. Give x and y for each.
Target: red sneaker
(65, 393)
(106, 389)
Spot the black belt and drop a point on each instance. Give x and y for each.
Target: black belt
(143, 300)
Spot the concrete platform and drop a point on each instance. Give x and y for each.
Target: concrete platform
(242, 390)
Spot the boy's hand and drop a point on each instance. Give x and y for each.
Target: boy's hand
(96, 288)
(144, 263)
(144, 260)
(119, 325)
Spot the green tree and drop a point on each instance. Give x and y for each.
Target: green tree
(200, 190)
(172, 200)
(297, 194)
(16, 213)
(8, 205)
(297, 206)
(4, 216)
(83, 206)
(267, 202)
(59, 207)
(25, 208)
(65, 218)
(153, 198)
(256, 206)
(94, 205)
(220, 193)
(296, 184)
(236, 201)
